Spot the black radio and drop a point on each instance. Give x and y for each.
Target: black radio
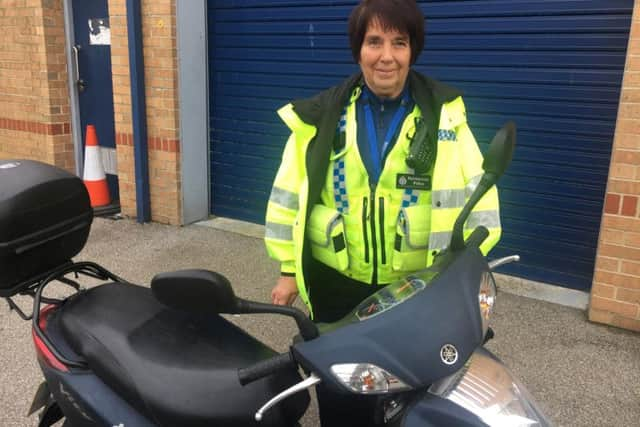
(422, 148)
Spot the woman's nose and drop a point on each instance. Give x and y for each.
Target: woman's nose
(386, 53)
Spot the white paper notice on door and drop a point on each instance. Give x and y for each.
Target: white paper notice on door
(99, 31)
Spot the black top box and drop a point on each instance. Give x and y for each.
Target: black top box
(45, 218)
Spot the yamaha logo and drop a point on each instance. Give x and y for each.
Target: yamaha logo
(449, 354)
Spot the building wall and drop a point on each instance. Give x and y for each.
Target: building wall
(35, 124)
(615, 294)
(34, 97)
(161, 81)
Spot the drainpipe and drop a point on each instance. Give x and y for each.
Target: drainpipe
(138, 111)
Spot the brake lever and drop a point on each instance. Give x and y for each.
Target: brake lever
(303, 385)
(502, 261)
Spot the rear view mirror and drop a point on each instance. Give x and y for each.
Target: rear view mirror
(495, 163)
(207, 292)
(500, 151)
(195, 291)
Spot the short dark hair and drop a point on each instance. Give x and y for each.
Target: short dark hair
(402, 15)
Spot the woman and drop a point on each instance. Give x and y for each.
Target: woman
(408, 215)
(372, 178)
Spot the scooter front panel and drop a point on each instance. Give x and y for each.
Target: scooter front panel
(420, 340)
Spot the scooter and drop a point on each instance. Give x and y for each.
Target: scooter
(124, 355)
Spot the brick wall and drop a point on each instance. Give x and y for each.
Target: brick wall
(615, 295)
(34, 107)
(161, 81)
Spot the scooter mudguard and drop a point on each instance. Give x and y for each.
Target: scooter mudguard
(41, 399)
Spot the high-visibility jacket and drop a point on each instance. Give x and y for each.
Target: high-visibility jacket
(322, 207)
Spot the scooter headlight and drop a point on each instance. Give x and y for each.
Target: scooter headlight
(365, 378)
(486, 299)
(486, 388)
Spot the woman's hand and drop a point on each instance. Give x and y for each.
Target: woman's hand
(285, 291)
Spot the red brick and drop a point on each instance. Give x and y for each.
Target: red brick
(604, 291)
(609, 235)
(617, 279)
(613, 306)
(607, 264)
(629, 110)
(631, 79)
(632, 239)
(600, 316)
(624, 187)
(626, 323)
(628, 295)
(628, 267)
(612, 204)
(617, 251)
(628, 136)
(631, 94)
(629, 205)
(628, 157)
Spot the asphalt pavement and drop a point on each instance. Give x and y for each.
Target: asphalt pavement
(582, 374)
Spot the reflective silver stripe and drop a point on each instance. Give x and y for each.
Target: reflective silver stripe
(406, 228)
(473, 184)
(273, 230)
(284, 198)
(490, 219)
(445, 199)
(439, 240)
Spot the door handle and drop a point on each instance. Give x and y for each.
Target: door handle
(81, 83)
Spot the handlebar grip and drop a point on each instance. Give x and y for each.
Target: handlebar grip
(478, 236)
(266, 367)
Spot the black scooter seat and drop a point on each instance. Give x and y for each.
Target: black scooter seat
(175, 368)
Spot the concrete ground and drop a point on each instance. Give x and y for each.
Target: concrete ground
(582, 374)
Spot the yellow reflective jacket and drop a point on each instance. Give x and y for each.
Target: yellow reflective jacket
(322, 207)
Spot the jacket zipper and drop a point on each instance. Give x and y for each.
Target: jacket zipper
(364, 229)
(383, 252)
(374, 246)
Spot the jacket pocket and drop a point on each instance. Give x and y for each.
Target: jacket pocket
(412, 239)
(325, 231)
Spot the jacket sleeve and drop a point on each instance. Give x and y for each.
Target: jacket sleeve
(282, 209)
(487, 211)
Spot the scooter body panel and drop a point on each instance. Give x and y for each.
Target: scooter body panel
(86, 401)
(158, 366)
(443, 313)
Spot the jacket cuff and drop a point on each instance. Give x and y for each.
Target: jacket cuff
(288, 268)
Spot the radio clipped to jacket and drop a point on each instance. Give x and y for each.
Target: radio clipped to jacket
(422, 148)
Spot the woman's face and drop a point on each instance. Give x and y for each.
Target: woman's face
(385, 57)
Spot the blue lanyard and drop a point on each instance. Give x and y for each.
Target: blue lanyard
(376, 155)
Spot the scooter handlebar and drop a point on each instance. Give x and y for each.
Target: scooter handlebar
(265, 368)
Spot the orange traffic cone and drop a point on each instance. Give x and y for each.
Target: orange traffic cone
(94, 178)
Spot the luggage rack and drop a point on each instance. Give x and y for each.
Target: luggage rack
(35, 286)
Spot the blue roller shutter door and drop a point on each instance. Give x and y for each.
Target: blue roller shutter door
(555, 67)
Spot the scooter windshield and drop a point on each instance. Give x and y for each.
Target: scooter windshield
(392, 295)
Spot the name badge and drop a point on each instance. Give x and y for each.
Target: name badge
(413, 182)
